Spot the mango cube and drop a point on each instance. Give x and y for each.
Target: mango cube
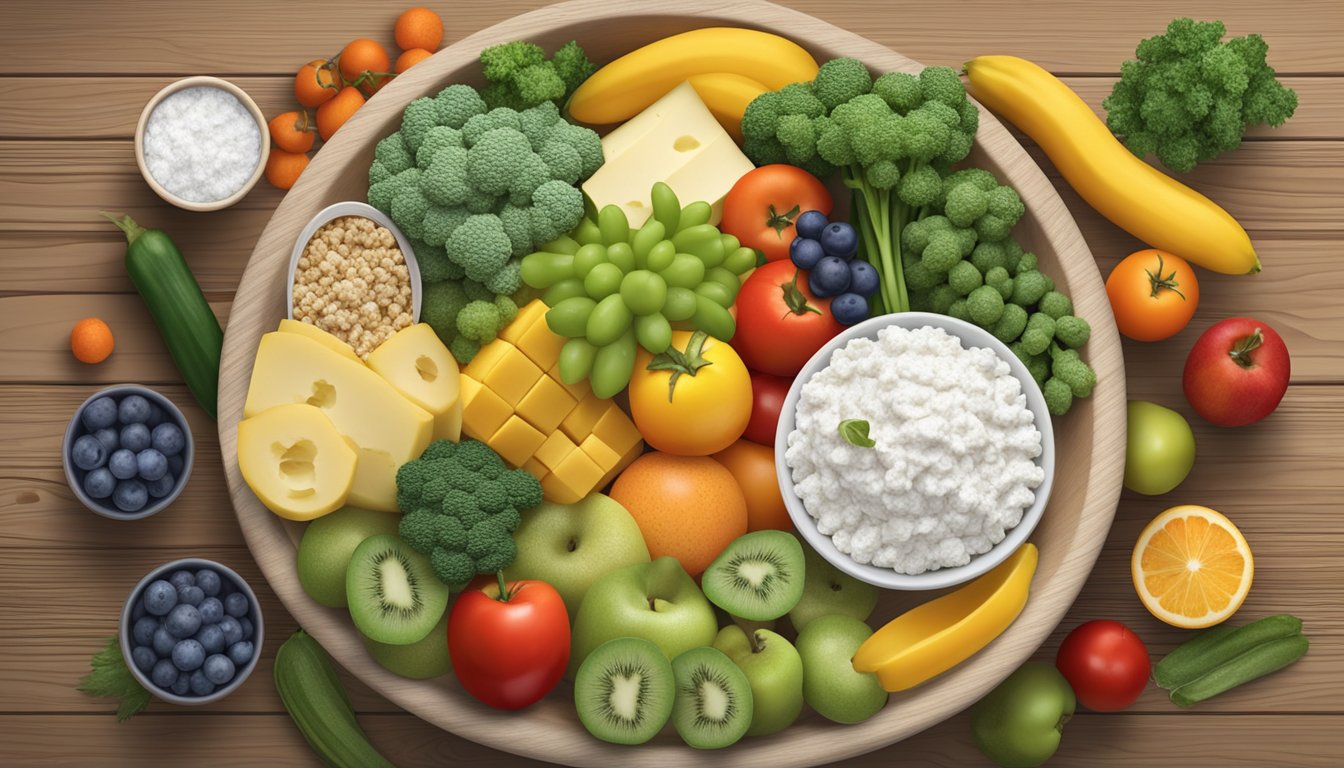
(516, 441)
(546, 405)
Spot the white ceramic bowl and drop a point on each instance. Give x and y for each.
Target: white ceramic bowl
(970, 336)
(193, 82)
(354, 208)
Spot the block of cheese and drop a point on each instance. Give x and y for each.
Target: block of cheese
(675, 140)
(295, 461)
(422, 369)
(386, 429)
(318, 335)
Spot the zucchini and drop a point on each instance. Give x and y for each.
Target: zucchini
(1251, 665)
(318, 704)
(189, 329)
(1218, 646)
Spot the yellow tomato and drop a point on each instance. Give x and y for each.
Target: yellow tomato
(704, 409)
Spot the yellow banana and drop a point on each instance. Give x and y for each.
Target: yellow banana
(623, 88)
(1134, 195)
(929, 640)
(727, 96)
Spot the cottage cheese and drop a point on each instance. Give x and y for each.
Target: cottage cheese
(954, 466)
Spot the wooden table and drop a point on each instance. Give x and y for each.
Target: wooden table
(73, 78)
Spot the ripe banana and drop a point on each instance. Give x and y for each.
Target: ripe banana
(623, 88)
(1134, 195)
(727, 96)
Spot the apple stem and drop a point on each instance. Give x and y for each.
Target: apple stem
(1241, 352)
(756, 646)
(503, 588)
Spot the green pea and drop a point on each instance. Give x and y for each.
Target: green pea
(653, 332)
(543, 269)
(716, 293)
(713, 319)
(589, 256)
(680, 304)
(622, 256)
(685, 271)
(644, 292)
(694, 215)
(608, 320)
(562, 244)
(587, 232)
(602, 281)
(613, 224)
(613, 364)
(565, 289)
(740, 261)
(570, 317)
(576, 360)
(666, 206)
(730, 243)
(660, 256)
(647, 237)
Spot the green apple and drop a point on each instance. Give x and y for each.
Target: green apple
(827, 590)
(326, 547)
(421, 660)
(571, 546)
(830, 684)
(775, 671)
(657, 601)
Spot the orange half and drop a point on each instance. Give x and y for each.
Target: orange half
(1191, 567)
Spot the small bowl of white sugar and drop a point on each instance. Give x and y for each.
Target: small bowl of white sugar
(202, 143)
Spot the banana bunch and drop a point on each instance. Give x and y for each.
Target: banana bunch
(727, 66)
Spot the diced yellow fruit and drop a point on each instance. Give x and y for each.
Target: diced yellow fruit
(580, 421)
(483, 412)
(295, 461)
(580, 390)
(541, 344)
(617, 430)
(555, 450)
(535, 468)
(577, 475)
(555, 490)
(388, 429)
(422, 369)
(516, 441)
(513, 376)
(527, 317)
(626, 460)
(546, 405)
(601, 453)
(320, 336)
(486, 359)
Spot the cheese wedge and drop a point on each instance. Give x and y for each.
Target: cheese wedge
(318, 335)
(417, 364)
(295, 461)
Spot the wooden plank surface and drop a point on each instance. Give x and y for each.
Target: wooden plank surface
(74, 79)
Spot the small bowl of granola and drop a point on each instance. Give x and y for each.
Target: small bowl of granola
(353, 274)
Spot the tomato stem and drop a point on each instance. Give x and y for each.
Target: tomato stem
(1241, 351)
(1159, 281)
(795, 299)
(780, 221)
(503, 588)
(687, 361)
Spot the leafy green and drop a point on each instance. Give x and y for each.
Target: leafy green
(855, 432)
(111, 678)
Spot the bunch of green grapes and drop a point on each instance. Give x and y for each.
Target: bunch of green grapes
(611, 288)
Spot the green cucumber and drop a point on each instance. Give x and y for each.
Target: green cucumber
(315, 699)
(188, 327)
(1218, 646)
(1259, 661)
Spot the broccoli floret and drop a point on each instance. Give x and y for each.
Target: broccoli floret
(556, 209)
(1011, 323)
(392, 153)
(964, 278)
(479, 321)
(900, 90)
(988, 256)
(1068, 367)
(463, 349)
(523, 490)
(959, 309)
(942, 297)
(797, 136)
(1072, 331)
(519, 75)
(1040, 331)
(999, 279)
(1029, 287)
(1056, 304)
(444, 181)
(536, 122)
(1058, 397)
(457, 104)
(918, 277)
(495, 159)
(476, 291)
(420, 115)
(942, 253)
(479, 246)
(505, 283)
(584, 141)
(840, 80)
(965, 203)
(438, 138)
(382, 193)
(985, 306)
(440, 222)
(942, 85)
(517, 225)
(573, 66)
(378, 172)
(408, 209)
(561, 161)
(919, 187)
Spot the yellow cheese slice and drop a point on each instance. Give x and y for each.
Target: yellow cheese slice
(295, 461)
(417, 364)
(318, 335)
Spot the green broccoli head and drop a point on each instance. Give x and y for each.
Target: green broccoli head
(391, 152)
(964, 278)
(840, 80)
(1056, 304)
(985, 306)
(494, 158)
(519, 76)
(1058, 396)
(556, 209)
(1072, 331)
(479, 246)
(1028, 288)
(1067, 366)
(420, 115)
(1038, 334)
(1010, 324)
(900, 90)
(440, 222)
(457, 104)
(437, 138)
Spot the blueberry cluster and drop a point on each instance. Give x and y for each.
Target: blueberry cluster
(192, 632)
(131, 452)
(826, 250)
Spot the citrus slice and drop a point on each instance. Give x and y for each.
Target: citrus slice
(1191, 566)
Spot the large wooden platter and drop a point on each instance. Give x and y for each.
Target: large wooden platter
(1090, 440)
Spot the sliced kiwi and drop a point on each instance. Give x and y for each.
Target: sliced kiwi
(713, 705)
(624, 691)
(393, 594)
(758, 577)
(326, 546)
(424, 659)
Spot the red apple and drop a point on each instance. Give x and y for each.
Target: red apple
(1237, 372)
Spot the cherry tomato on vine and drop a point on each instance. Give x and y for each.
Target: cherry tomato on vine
(1106, 664)
(1153, 294)
(762, 207)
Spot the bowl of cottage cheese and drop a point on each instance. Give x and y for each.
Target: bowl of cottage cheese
(917, 451)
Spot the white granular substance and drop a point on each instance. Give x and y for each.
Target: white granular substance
(202, 144)
(954, 466)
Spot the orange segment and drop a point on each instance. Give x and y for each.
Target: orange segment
(1191, 567)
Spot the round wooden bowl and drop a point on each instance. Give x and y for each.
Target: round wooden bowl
(1090, 439)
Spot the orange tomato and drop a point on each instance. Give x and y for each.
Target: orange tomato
(410, 58)
(418, 28)
(292, 131)
(753, 467)
(1153, 295)
(334, 113)
(704, 410)
(283, 168)
(91, 340)
(315, 83)
(364, 62)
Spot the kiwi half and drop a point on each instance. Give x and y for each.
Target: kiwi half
(393, 594)
(326, 546)
(624, 691)
(758, 577)
(713, 706)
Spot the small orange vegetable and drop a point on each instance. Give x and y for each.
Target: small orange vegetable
(293, 131)
(409, 59)
(315, 83)
(91, 340)
(365, 64)
(334, 113)
(283, 168)
(419, 28)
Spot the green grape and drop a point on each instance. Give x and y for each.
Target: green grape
(660, 256)
(602, 281)
(587, 232)
(622, 256)
(570, 317)
(544, 269)
(691, 240)
(649, 235)
(576, 360)
(730, 243)
(613, 225)
(680, 304)
(723, 277)
(666, 206)
(713, 319)
(608, 320)
(644, 292)
(653, 332)
(716, 293)
(740, 261)
(565, 289)
(613, 364)
(694, 215)
(685, 271)
(589, 256)
(562, 244)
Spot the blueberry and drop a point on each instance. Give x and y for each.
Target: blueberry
(183, 620)
(831, 276)
(161, 487)
(135, 437)
(138, 611)
(167, 439)
(188, 655)
(240, 653)
(144, 658)
(142, 632)
(164, 673)
(156, 416)
(99, 414)
(233, 631)
(840, 239)
(175, 465)
(863, 278)
(133, 409)
(200, 684)
(163, 642)
(246, 625)
(183, 685)
(809, 224)
(151, 464)
(191, 596)
(122, 464)
(236, 605)
(849, 309)
(99, 483)
(160, 597)
(218, 669)
(211, 638)
(182, 579)
(87, 453)
(212, 611)
(805, 253)
(130, 496)
(110, 438)
(209, 581)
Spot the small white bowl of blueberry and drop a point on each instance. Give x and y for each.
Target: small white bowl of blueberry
(191, 631)
(128, 452)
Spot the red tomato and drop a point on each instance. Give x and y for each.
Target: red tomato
(767, 400)
(1106, 664)
(780, 324)
(761, 207)
(1236, 373)
(509, 653)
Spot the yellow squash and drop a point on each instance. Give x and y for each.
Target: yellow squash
(1134, 195)
(623, 88)
(925, 642)
(727, 96)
